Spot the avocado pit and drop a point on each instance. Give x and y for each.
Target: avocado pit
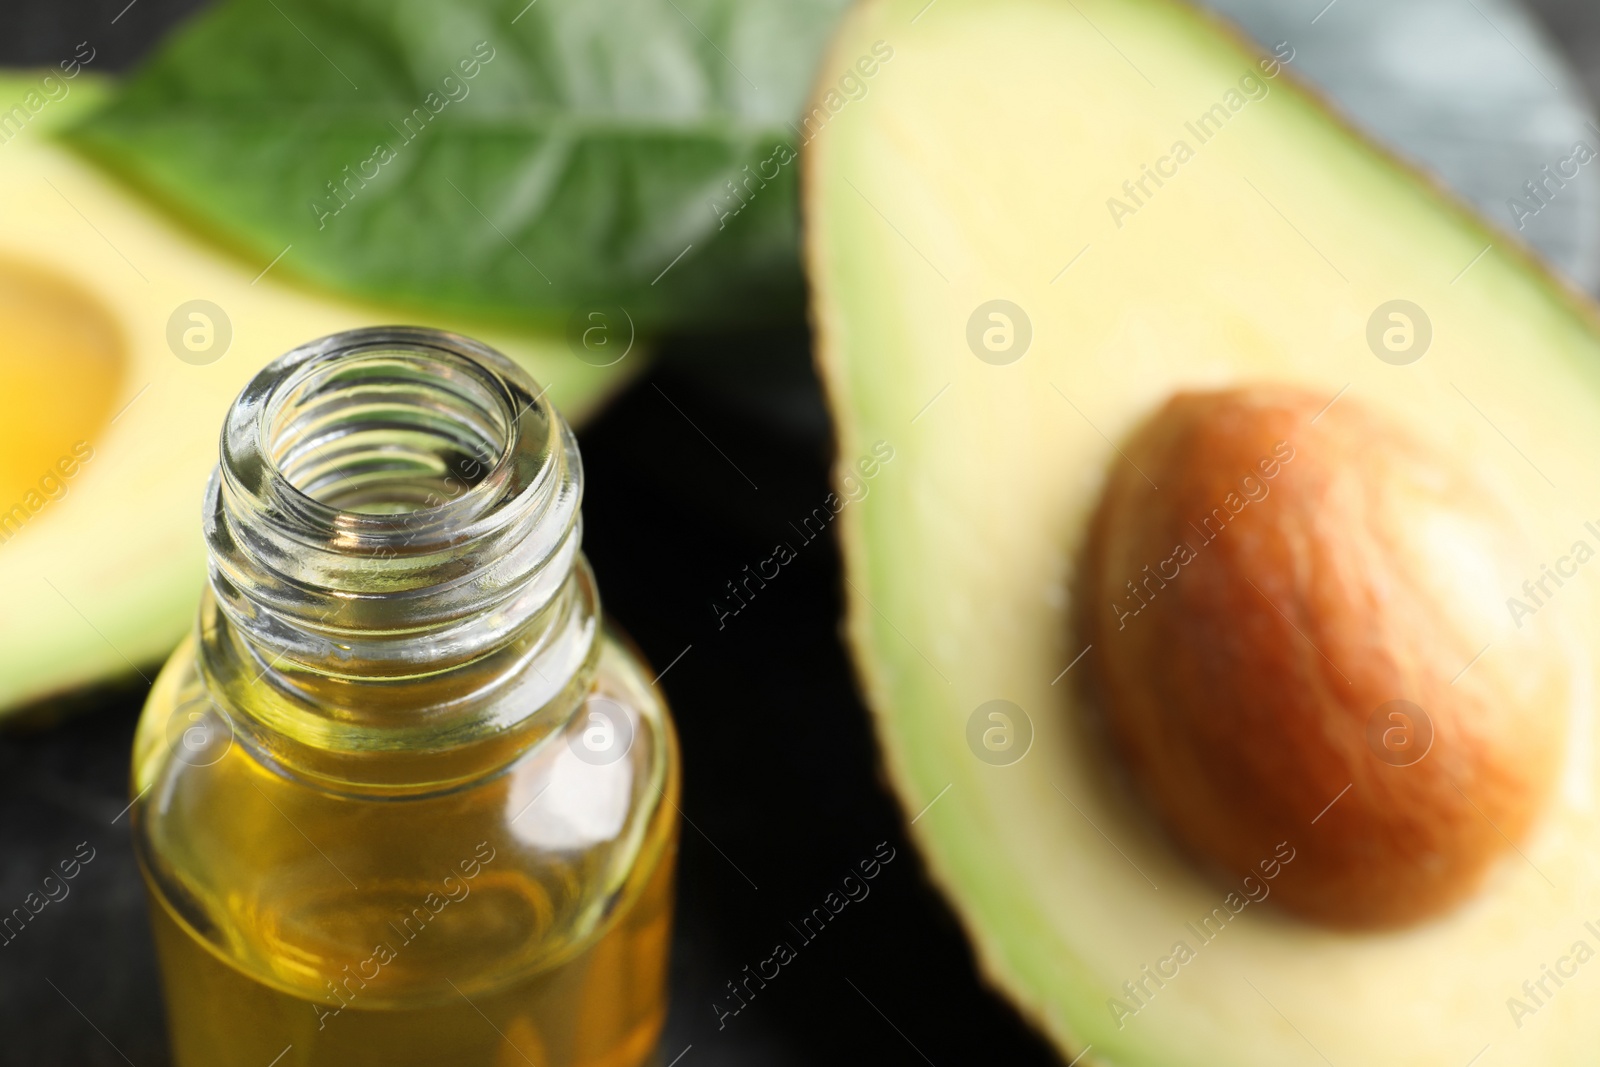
(1279, 636)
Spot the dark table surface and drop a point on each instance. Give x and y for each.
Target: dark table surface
(783, 790)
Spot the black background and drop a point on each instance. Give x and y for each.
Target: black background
(780, 767)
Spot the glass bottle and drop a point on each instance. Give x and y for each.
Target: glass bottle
(402, 798)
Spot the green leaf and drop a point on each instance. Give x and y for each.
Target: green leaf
(515, 160)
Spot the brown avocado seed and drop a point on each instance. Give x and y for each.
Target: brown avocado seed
(1282, 635)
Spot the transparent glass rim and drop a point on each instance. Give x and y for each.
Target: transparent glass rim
(248, 463)
(333, 635)
(301, 575)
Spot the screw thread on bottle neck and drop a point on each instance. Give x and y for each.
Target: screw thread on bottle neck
(394, 533)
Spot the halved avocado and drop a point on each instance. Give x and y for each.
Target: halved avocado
(1047, 220)
(111, 399)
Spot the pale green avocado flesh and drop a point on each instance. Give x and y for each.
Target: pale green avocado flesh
(987, 161)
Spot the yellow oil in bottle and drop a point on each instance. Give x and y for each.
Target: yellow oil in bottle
(403, 800)
(421, 932)
(604, 1007)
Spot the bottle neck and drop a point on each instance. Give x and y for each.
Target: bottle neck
(398, 600)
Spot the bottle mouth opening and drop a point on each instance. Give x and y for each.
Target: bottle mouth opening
(389, 439)
(388, 429)
(391, 502)
(394, 533)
